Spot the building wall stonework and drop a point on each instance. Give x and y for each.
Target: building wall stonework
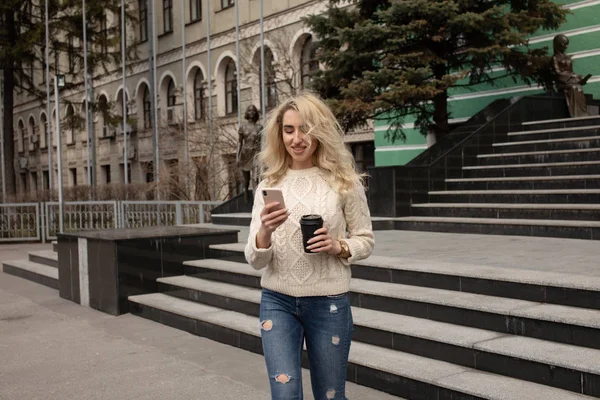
(285, 35)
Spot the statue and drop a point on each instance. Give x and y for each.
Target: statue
(566, 80)
(249, 145)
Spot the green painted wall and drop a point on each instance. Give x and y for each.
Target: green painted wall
(583, 29)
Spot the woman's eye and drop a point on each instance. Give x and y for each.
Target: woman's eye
(288, 129)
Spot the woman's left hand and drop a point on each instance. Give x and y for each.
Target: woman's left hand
(323, 243)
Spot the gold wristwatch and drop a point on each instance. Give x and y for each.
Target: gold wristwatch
(345, 253)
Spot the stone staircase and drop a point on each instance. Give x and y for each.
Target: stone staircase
(542, 180)
(40, 266)
(428, 330)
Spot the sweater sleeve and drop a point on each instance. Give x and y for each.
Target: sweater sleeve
(361, 239)
(257, 258)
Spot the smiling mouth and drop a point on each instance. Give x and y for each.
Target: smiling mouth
(298, 149)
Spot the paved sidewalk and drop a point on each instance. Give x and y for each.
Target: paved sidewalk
(53, 349)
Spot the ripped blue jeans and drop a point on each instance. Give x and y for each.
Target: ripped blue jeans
(326, 324)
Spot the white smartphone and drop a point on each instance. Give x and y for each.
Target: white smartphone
(273, 194)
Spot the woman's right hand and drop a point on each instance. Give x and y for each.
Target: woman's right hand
(271, 218)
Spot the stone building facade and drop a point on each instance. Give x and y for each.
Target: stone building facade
(289, 62)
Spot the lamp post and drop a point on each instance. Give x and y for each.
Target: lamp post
(59, 82)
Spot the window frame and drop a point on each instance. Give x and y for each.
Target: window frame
(195, 5)
(143, 19)
(199, 105)
(225, 4)
(231, 89)
(167, 16)
(147, 108)
(310, 65)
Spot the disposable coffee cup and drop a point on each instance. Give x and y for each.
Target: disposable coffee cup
(309, 224)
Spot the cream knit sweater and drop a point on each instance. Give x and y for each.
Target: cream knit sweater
(289, 269)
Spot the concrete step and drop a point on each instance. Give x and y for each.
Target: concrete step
(45, 257)
(543, 287)
(546, 145)
(585, 212)
(39, 273)
(573, 229)
(555, 133)
(534, 169)
(564, 324)
(244, 219)
(526, 183)
(546, 156)
(395, 372)
(553, 364)
(562, 122)
(588, 196)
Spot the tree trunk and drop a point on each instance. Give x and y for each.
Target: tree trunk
(440, 114)
(8, 89)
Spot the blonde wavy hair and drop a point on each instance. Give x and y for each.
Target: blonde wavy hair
(331, 156)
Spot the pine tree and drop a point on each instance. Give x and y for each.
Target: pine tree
(398, 58)
(22, 52)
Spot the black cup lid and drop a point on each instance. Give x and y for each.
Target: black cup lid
(311, 217)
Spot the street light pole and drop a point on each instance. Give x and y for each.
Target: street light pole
(59, 81)
(2, 137)
(48, 110)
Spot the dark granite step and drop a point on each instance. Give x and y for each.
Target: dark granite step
(526, 183)
(562, 196)
(39, 273)
(559, 123)
(536, 169)
(588, 230)
(554, 156)
(553, 133)
(584, 212)
(522, 284)
(570, 325)
(44, 257)
(547, 145)
(395, 372)
(474, 348)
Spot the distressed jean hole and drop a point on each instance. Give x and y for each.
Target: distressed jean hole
(335, 340)
(333, 309)
(267, 325)
(282, 378)
(331, 394)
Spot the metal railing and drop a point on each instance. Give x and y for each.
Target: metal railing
(81, 215)
(40, 221)
(137, 214)
(20, 222)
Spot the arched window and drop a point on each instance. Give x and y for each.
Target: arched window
(231, 97)
(20, 136)
(43, 131)
(171, 96)
(119, 104)
(70, 131)
(32, 133)
(147, 109)
(103, 114)
(309, 62)
(270, 84)
(198, 95)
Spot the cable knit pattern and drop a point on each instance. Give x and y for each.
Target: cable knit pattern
(289, 269)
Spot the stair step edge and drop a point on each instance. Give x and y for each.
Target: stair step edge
(403, 364)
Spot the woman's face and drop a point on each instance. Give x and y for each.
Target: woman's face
(296, 142)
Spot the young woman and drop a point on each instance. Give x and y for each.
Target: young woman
(305, 296)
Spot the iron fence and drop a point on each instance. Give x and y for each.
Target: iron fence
(20, 222)
(40, 221)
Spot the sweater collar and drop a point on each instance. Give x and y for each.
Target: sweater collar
(312, 171)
